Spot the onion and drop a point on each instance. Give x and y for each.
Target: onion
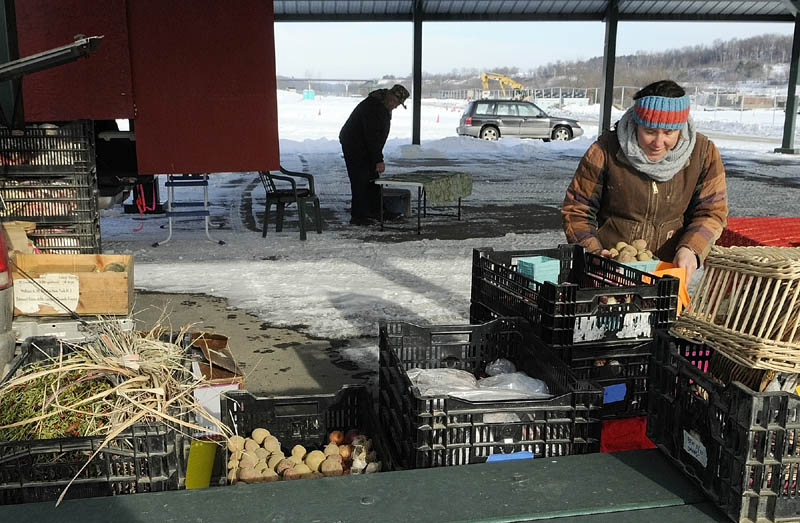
(345, 451)
(350, 435)
(336, 437)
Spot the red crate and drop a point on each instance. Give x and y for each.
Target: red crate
(772, 231)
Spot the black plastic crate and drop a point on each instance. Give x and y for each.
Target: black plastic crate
(75, 238)
(144, 458)
(304, 420)
(741, 447)
(442, 431)
(597, 299)
(47, 150)
(50, 200)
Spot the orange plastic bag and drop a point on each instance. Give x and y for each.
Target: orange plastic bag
(668, 269)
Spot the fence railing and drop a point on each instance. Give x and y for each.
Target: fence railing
(623, 96)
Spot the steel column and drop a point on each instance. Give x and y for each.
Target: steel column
(609, 63)
(416, 75)
(787, 146)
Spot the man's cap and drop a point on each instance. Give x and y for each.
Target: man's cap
(401, 93)
(661, 112)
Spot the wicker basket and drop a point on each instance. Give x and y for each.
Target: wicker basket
(747, 306)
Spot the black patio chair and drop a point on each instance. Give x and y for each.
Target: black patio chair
(287, 188)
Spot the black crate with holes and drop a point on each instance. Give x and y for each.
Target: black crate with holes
(442, 430)
(48, 176)
(597, 300)
(143, 458)
(740, 446)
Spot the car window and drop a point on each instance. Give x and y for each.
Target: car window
(528, 110)
(484, 108)
(507, 109)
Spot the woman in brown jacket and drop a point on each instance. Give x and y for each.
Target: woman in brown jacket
(652, 177)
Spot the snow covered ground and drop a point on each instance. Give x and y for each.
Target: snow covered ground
(338, 285)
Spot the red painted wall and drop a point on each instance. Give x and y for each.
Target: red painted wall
(98, 87)
(196, 76)
(204, 79)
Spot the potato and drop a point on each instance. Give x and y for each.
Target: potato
(250, 444)
(629, 250)
(268, 475)
(249, 475)
(274, 459)
(313, 459)
(284, 465)
(249, 460)
(331, 449)
(237, 455)
(261, 465)
(331, 467)
(613, 252)
(645, 256)
(299, 450)
(303, 470)
(640, 244)
(620, 245)
(296, 458)
(625, 258)
(233, 464)
(271, 444)
(262, 453)
(291, 474)
(259, 434)
(235, 443)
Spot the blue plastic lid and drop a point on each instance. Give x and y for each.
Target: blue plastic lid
(522, 454)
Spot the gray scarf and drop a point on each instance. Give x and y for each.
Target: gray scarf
(664, 169)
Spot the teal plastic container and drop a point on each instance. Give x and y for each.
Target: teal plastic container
(539, 268)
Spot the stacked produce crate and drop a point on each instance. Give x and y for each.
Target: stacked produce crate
(600, 319)
(724, 398)
(48, 176)
(439, 428)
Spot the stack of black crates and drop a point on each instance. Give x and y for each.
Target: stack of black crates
(600, 318)
(48, 176)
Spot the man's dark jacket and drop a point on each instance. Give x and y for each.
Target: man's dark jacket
(367, 128)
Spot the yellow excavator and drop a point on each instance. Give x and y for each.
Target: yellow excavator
(518, 91)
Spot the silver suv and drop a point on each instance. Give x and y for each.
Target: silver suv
(491, 119)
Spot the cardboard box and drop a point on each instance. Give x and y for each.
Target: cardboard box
(219, 366)
(85, 283)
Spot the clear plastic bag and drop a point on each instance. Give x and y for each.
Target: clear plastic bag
(442, 382)
(500, 366)
(517, 382)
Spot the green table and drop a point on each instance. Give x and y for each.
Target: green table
(636, 486)
(436, 187)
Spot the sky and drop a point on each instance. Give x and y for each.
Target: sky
(339, 284)
(353, 50)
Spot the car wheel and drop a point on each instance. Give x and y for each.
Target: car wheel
(490, 133)
(562, 133)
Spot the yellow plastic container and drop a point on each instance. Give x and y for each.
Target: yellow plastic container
(200, 463)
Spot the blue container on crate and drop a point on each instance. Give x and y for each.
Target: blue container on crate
(644, 266)
(597, 300)
(143, 458)
(441, 430)
(738, 445)
(540, 268)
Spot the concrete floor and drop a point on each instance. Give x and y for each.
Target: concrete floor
(275, 361)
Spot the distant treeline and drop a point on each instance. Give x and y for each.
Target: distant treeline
(760, 59)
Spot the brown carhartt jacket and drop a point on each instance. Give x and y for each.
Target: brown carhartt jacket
(609, 201)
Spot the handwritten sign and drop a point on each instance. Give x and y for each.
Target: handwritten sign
(695, 448)
(29, 298)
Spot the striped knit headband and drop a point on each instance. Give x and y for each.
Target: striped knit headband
(661, 112)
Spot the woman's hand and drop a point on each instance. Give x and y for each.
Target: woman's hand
(686, 258)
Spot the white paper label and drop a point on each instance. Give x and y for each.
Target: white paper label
(695, 448)
(28, 297)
